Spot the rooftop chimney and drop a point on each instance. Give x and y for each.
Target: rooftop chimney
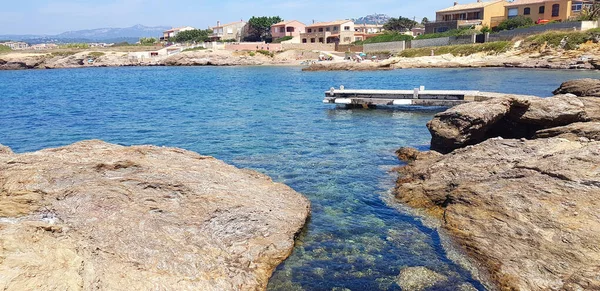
(455, 3)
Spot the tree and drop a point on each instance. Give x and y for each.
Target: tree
(425, 20)
(400, 24)
(259, 28)
(148, 40)
(195, 35)
(591, 12)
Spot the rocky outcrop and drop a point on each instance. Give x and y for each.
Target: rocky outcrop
(100, 216)
(510, 116)
(214, 58)
(580, 87)
(526, 210)
(580, 131)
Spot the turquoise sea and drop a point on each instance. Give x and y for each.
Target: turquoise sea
(271, 119)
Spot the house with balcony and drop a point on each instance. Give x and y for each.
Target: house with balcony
(546, 9)
(291, 28)
(231, 31)
(167, 34)
(341, 31)
(474, 15)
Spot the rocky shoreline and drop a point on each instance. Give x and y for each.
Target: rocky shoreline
(563, 60)
(515, 182)
(100, 216)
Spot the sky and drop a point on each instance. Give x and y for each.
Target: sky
(57, 16)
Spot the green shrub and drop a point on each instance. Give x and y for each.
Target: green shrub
(96, 54)
(62, 54)
(252, 54)
(514, 22)
(75, 45)
(386, 37)
(454, 32)
(194, 49)
(265, 52)
(4, 49)
(459, 50)
(572, 38)
(282, 39)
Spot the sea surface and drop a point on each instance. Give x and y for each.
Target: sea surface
(271, 119)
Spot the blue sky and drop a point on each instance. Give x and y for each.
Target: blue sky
(56, 16)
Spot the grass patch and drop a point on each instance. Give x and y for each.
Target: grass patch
(386, 37)
(459, 50)
(62, 54)
(279, 40)
(4, 49)
(572, 38)
(194, 49)
(96, 54)
(265, 52)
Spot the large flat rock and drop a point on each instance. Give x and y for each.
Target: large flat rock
(98, 216)
(525, 210)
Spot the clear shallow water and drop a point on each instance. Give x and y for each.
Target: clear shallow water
(271, 120)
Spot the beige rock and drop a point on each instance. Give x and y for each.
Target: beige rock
(526, 210)
(100, 216)
(509, 116)
(419, 278)
(580, 87)
(573, 131)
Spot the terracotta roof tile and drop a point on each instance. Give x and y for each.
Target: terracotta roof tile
(469, 6)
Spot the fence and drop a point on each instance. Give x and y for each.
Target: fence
(349, 48)
(394, 46)
(569, 26)
(309, 46)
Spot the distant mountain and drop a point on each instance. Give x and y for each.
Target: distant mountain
(129, 34)
(372, 19)
(109, 33)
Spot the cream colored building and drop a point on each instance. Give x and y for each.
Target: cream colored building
(230, 31)
(341, 31)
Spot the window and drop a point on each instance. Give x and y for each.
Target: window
(346, 28)
(321, 29)
(282, 29)
(312, 40)
(527, 11)
(358, 38)
(542, 8)
(289, 29)
(327, 29)
(578, 6)
(440, 29)
(513, 12)
(555, 10)
(304, 40)
(320, 39)
(309, 30)
(335, 28)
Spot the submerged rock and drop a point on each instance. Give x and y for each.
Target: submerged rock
(580, 87)
(526, 210)
(99, 216)
(419, 278)
(509, 116)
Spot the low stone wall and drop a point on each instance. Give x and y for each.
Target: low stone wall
(418, 43)
(253, 46)
(566, 26)
(463, 39)
(394, 46)
(349, 48)
(309, 46)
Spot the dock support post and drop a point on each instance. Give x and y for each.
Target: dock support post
(416, 93)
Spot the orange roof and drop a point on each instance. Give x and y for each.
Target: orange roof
(332, 23)
(475, 5)
(528, 2)
(286, 23)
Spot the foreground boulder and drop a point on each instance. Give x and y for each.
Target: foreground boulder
(98, 216)
(580, 87)
(526, 210)
(510, 116)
